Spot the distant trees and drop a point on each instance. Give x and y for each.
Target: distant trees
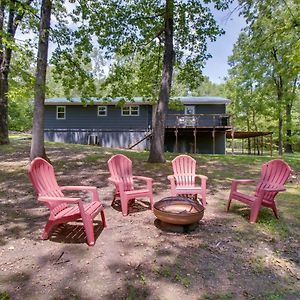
(14, 15)
(264, 75)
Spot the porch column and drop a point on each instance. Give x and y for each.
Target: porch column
(195, 140)
(176, 140)
(214, 141)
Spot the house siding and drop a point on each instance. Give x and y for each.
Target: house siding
(113, 130)
(79, 117)
(117, 131)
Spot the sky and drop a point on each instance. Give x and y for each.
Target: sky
(216, 67)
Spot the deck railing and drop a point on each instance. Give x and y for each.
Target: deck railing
(198, 120)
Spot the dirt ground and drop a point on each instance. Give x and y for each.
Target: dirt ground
(134, 258)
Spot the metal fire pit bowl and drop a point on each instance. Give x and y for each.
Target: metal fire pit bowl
(178, 210)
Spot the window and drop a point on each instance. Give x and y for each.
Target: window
(189, 110)
(60, 112)
(130, 111)
(102, 111)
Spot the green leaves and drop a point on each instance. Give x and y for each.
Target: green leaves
(265, 63)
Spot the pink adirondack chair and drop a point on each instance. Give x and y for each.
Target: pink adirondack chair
(274, 175)
(183, 181)
(120, 168)
(64, 209)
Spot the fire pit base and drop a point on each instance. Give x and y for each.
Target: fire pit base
(175, 228)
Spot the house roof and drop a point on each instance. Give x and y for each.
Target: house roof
(135, 100)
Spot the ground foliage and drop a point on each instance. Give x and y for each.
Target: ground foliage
(224, 258)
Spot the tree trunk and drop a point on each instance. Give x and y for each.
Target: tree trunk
(5, 58)
(158, 136)
(248, 129)
(288, 146)
(15, 17)
(37, 145)
(280, 119)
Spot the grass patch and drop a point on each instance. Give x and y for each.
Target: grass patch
(91, 158)
(258, 264)
(219, 296)
(267, 222)
(4, 295)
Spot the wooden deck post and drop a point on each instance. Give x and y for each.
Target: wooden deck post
(176, 139)
(195, 140)
(214, 141)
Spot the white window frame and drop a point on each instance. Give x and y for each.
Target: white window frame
(130, 111)
(188, 107)
(64, 112)
(105, 111)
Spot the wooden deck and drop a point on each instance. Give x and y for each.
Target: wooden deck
(221, 121)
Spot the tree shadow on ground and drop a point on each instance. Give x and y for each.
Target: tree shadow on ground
(134, 206)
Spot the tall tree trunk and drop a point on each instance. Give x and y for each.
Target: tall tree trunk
(4, 71)
(280, 118)
(37, 145)
(15, 17)
(288, 145)
(289, 106)
(248, 129)
(158, 136)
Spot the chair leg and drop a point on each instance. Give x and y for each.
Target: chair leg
(254, 213)
(89, 229)
(151, 201)
(124, 206)
(204, 203)
(229, 202)
(275, 211)
(103, 218)
(114, 199)
(47, 230)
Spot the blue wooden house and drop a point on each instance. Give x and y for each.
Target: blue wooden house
(200, 127)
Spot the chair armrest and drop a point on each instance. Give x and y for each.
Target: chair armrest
(59, 199)
(148, 181)
(238, 181)
(90, 189)
(201, 177)
(172, 180)
(78, 188)
(143, 178)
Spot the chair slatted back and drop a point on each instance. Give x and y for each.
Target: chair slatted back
(43, 178)
(120, 168)
(184, 168)
(274, 173)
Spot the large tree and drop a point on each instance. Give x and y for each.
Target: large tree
(174, 32)
(265, 56)
(37, 145)
(12, 15)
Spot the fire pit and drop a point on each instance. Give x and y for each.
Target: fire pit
(178, 211)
